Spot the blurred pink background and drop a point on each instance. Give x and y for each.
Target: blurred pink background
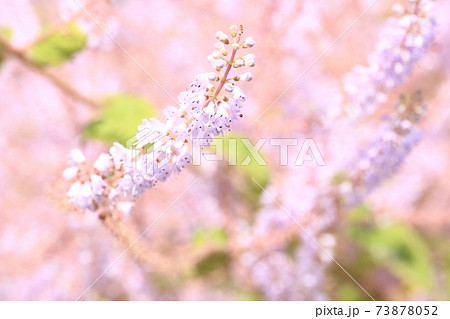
(50, 251)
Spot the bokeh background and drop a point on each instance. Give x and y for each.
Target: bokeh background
(64, 83)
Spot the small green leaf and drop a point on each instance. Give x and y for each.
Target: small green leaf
(339, 178)
(217, 260)
(6, 34)
(119, 119)
(359, 213)
(216, 236)
(59, 47)
(292, 246)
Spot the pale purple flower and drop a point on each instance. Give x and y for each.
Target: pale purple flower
(70, 173)
(162, 148)
(383, 156)
(103, 163)
(76, 157)
(403, 42)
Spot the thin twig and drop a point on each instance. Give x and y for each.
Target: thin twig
(62, 85)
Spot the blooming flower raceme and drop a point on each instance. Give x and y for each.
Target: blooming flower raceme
(384, 155)
(402, 44)
(161, 148)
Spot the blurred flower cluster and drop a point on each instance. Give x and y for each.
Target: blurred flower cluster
(355, 89)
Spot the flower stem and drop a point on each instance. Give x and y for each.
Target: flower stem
(225, 75)
(62, 85)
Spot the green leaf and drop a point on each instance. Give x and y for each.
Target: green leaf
(6, 34)
(59, 47)
(400, 248)
(215, 261)
(120, 117)
(216, 236)
(339, 178)
(359, 213)
(292, 246)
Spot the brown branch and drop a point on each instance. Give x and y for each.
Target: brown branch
(61, 84)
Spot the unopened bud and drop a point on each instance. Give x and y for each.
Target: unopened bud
(249, 60)
(219, 46)
(228, 87)
(249, 42)
(223, 38)
(213, 77)
(219, 63)
(246, 77)
(234, 30)
(216, 55)
(219, 34)
(238, 63)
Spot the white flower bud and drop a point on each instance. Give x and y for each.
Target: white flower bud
(250, 63)
(228, 87)
(249, 42)
(235, 46)
(249, 60)
(238, 63)
(219, 63)
(219, 34)
(223, 38)
(97, 184)
(246, 77)
(234, 30)
(103, 163)
(238, 94)
(74, 189)
(76, 156)
(213, 77)
(70, 173)
(86, 190)
(216, 55)
(219, 46)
